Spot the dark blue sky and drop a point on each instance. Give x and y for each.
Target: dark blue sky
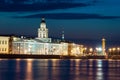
(81, 19)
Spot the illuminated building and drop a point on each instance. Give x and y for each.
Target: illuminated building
(103, 46)
(33, 46)
(43, 32)
(5, 44)
(75, 49)
(42, 45)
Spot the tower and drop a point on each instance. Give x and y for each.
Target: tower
(103, 46)
(43, 31)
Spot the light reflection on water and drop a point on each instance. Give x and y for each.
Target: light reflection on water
(56, 69)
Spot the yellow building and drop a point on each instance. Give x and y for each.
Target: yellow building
(5, 44)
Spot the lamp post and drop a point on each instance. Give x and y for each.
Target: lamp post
(85, 51)
(91, 50)
(114, 49)
(110, 50)
(118, 49)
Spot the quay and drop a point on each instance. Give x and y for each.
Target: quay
(26, 56)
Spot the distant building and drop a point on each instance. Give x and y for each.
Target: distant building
(33, 46)
(5, 44)
(75, 49)
(41, 45)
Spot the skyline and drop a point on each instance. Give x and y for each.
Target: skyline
(85, 19)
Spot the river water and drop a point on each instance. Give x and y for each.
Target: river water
(59, 69)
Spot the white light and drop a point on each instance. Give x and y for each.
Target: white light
(99, 49)
(99, 63)
(91, 49)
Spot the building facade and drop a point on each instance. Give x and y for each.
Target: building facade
(5, 44)
(43, 45)
(35, 47)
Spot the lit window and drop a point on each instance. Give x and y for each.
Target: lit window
(2, 42)
(2, 49)
(5, 42)
(5, 49)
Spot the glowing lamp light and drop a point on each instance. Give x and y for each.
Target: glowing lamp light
(110, 49)
(118, 49)
(99, 49)
(85, 48)
(114, 49)
(91, 49)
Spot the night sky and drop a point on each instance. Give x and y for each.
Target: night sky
(80, 19)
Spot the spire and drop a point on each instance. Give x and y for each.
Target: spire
(43, 19)
(63, 37)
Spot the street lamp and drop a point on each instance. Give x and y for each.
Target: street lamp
(91, 50)
(118, 49)
(99, 50)
(110, 50)
(85, 50)
(114, 49)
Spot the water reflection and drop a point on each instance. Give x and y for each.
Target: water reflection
(55, 69)
(29, 70)
(99, 70)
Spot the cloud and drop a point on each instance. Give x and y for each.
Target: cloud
(69, 16)
(39, 6)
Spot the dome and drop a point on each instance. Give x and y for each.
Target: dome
(43, 24)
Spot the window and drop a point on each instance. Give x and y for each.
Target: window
(2, 42)
(2, 49)
(5, 42)
(43, 35)
(5, 49)
(40, 35)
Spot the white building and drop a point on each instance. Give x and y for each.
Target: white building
(42, 45)
(43, 32)
(33, 46)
